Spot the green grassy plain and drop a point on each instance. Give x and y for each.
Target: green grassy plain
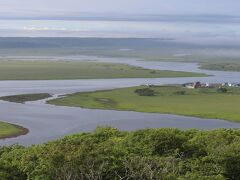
(10, 130)
(25, 97)
(204, 103)
(54, 70)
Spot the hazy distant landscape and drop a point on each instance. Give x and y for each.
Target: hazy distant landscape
(123, 90)
(141, 48)
(50, 88)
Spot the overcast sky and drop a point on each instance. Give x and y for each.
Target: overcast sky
(71, 7)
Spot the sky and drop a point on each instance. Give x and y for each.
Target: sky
(157, 7)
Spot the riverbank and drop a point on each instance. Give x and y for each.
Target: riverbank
(204, 103)
(8, 130)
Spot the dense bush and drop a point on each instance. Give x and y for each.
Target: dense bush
(180, 92)
(222, 90)
(110, 154)
(145, 92)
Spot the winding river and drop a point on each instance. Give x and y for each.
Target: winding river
(48, 122)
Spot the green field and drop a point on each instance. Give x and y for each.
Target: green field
(10, 130)
(221, 66)
(25, 97)
(204, 103)
(46, 70)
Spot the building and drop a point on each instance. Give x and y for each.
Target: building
(193, 85)
(197, 85)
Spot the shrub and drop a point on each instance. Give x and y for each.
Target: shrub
(145, 92)
(180, 92)
(110, 154)
(222, 90)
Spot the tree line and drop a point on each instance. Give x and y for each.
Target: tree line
(107, 153)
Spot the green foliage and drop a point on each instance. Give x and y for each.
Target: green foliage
(180, 92)
(147, 154)
(221, 66)
(145, 92)
(11, 173)
(25, 97)
(222, 90)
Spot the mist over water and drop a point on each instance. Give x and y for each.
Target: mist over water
(196, 30)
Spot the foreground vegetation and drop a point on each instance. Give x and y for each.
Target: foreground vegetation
(110, 154)
(221, 66)
(25, 97)
(51, 70)
(205, 103)
(10, 130)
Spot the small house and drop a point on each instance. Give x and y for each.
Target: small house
(194, 85)
(189, 85)
(197, 85)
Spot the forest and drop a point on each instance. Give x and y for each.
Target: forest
(108, 153)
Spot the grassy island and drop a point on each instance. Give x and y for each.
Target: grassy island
(203, 102)
(221, 66)
(11, 130)
(25, 97)
(58, 70)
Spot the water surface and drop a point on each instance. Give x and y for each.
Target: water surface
(48, 122)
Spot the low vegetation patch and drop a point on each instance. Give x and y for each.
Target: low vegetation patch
(222, 90)
(110, 154)
(106, 102)
(180, 92)
(213, 103)
(221, 66)
(25, 97)
(11, 130)
(145, 92)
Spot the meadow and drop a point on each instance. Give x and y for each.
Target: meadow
(204, 103)
(59, 70)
